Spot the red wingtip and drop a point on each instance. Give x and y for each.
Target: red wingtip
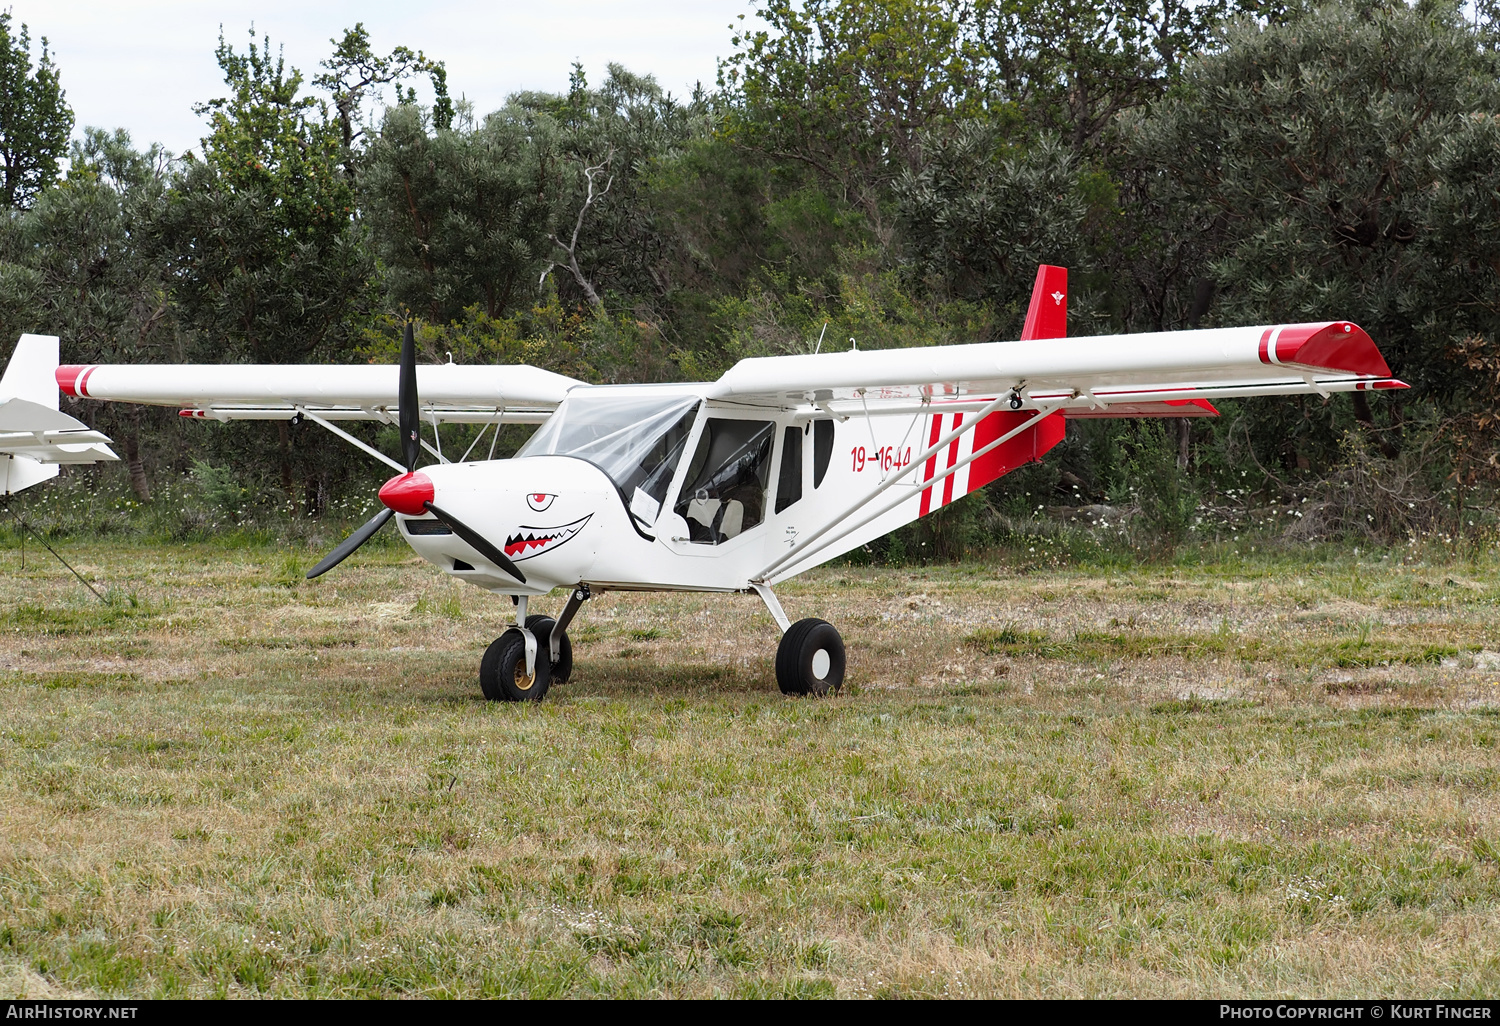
(67, 379)
(1047, 317)
(1335, 345)
(408, 493)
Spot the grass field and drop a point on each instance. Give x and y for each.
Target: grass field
(1272, 778)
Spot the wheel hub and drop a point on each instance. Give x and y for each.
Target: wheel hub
(524, 681)
(821, 661)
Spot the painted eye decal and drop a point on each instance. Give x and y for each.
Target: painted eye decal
(539, 500)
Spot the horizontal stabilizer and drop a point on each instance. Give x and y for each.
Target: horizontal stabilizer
(45, 435)
(35, 436)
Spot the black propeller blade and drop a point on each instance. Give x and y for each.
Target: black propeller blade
(351, 543)
(409, 413)
(410, 419)
(478, 542)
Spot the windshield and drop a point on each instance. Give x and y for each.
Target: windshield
(636, 440)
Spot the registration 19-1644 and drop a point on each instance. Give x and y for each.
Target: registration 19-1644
(884, 459)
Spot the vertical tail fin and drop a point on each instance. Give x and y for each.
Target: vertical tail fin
(30, 375)
(1047, 317)
(32, 371)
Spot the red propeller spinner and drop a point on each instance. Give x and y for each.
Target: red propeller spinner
(408, 493)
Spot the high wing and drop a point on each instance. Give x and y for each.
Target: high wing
(35, 437)
(450, 392)
(946, 421)
(1080, 376)
(1164, 373)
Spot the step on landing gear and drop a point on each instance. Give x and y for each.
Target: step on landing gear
(810, 659)
(521, 664)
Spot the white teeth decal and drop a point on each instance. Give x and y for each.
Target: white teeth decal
(532, 541)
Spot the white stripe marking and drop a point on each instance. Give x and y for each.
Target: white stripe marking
(1271, 346)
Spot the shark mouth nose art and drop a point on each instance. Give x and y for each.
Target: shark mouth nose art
(533, 541)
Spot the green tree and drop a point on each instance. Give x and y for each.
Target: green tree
(1462, 228)
(980, 216)
(848, 88)
(355, 72)
(462, 216)
(97, 286)
(1313, 147)
(1070, 67)
(1317, 157)
(610, 237)
(266, 254)
(268, 262)
(35, 119)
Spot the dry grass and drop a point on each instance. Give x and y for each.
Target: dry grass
(1247, 780)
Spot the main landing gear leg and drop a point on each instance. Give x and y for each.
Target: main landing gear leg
(773, 605)
(810, 659)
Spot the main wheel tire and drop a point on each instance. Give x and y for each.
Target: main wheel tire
(502, 671)
(541, 626)
(810, 659)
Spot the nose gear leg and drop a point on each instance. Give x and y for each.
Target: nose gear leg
(530, 638)
(581, 594)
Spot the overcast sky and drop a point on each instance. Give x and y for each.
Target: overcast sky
(142, 64)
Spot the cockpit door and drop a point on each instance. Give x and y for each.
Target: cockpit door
(725, 486)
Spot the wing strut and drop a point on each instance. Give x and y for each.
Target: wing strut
(346, 436)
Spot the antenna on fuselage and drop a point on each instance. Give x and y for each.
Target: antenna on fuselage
(819, 349)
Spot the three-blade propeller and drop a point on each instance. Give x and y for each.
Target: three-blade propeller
(409, 419)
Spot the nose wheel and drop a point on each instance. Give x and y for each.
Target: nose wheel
(502, 672)
(562, 665)
(506, 674)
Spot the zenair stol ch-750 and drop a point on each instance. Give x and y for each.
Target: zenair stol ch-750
(724, 486)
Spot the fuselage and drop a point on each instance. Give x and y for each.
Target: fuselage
(674, 493)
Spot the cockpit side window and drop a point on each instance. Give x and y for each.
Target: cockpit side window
(724, 493)
(789, 481)
(822, 449)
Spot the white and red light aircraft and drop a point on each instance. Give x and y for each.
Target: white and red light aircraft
(733, 485)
